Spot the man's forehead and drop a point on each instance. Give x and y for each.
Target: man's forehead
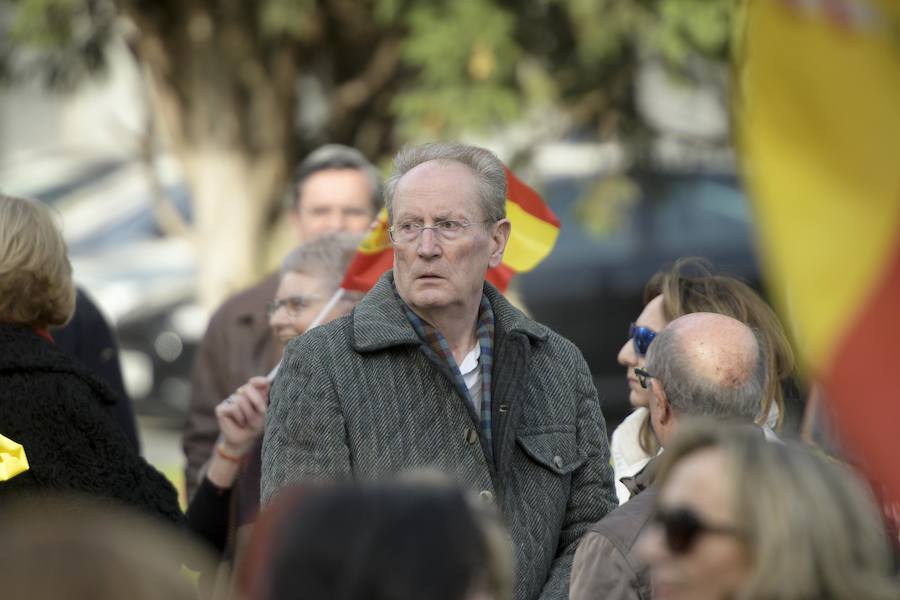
(439, 185)
(335, 185)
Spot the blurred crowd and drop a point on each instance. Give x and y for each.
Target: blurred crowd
(426, 439)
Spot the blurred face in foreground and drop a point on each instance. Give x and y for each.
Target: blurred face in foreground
(299, 299)
(443, 272)
(651, 318)
(333, 201)
(706, 560)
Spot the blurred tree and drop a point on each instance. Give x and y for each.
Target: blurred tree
(243, 88)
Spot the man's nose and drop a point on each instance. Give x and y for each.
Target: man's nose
(336, 221)
(428, 246)
(278, 317)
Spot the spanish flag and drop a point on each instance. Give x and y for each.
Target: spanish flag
(818, 116)
(533, 235)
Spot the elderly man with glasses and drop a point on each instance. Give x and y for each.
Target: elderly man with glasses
(436, 370)
(700, 365)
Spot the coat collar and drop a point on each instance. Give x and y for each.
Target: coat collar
(643, 479)
(379, 321)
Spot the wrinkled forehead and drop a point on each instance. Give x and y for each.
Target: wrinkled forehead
(437, 189)
(301, 283)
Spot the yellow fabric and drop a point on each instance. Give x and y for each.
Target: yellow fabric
(531, 239)
(12, 458)
(378, 238)
(819, 125)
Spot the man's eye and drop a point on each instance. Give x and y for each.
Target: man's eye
(355, 212)
(295, 303)
(450, 225)
(408, 227)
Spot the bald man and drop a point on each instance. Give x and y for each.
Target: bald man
(701, 365)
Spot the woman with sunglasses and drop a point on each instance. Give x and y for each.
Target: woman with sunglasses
(738, 517)
(689, 287)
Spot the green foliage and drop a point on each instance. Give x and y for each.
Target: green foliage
(687, 26)
(603, 30)
(387, 12)
(286, 17)
(464, 64)
(465, 57)
(45, 23)
(65, 39)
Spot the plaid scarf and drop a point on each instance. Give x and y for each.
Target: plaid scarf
(436, 341)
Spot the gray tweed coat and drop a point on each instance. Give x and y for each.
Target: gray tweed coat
(360, 399)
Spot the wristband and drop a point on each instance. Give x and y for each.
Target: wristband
(228, 457)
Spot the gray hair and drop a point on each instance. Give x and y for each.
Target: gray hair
(326, 258)
(488, 170)
(691, 394)
(336, 157)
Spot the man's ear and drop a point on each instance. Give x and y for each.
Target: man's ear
(661, 400)
(499, 238)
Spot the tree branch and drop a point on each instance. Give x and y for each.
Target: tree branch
(166, 213)
(382, 67)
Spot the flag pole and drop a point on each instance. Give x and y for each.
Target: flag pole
(332, 302)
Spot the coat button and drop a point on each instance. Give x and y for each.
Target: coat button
(558, 461)
(471, 435)
(486, 496)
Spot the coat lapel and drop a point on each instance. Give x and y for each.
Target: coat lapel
(379, 323)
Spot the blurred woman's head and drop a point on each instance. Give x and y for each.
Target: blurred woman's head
(82, 549)
(36, 286)
(390, 542)
(740, 517)
(690, 287)
(310, 275)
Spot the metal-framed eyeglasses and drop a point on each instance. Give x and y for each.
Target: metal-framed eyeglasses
(292, 304)
(407, 232)
(644, 376)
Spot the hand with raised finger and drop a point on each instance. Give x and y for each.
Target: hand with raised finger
(241, 417)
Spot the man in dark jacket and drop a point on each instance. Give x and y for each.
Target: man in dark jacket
(700, 365)
(337, 190)
(435, 369)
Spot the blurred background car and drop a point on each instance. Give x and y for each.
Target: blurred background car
(142, 279)
(617, 231)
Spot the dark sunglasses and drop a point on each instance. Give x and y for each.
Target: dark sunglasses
(641, 337)
(682, 527)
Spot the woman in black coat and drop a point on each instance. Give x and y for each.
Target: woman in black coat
(50, 403)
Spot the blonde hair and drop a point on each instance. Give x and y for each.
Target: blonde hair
(690, 287)
(36, 287)
(85, 549)
(811, 527)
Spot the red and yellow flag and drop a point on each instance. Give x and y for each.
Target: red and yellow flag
(819, 126)
(533, 235)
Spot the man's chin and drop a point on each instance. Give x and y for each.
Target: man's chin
(429, 299)
(284, 338)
